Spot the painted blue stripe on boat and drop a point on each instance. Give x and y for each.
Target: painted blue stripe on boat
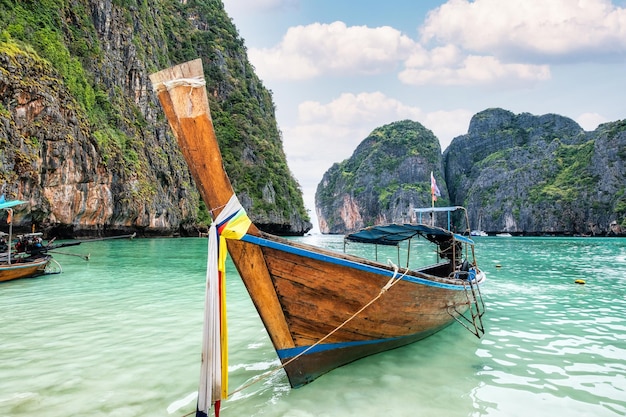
(344, 262)
(291, 352)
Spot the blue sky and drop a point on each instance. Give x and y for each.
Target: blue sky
(339, 69)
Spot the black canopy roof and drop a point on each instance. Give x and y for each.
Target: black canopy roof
(393, 234)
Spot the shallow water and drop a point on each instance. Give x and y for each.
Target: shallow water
(119, 335)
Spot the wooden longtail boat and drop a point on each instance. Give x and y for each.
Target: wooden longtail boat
(305, 294)
(24, 268)
(15, 266)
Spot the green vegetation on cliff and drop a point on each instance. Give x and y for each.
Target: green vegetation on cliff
(530, 174)
(519, 173)
(103, 51)
(386, 176)
(567, 177)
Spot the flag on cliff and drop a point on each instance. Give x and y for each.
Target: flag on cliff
(434, 190)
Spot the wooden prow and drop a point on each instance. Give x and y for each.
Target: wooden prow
(182, 93)
(187, 110)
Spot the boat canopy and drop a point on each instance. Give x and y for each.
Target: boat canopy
(393, 234)
(9, 204)
(438, 209)
(448, 210)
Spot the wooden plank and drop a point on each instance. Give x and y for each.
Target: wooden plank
(22, 270)
(250, 262)
(317, 297)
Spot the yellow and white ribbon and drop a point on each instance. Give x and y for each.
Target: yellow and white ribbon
(232, 223)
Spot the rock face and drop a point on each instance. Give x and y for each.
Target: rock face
(530, 174)
(522, 174)
(387, 176)
(83, 137)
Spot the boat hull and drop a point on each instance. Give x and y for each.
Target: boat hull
(328, 357)
(317, 297)
(20, 270)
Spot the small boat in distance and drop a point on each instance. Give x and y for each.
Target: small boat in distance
(478, 233)
(29, 256)
(322, 309)
(22, 263)
(505, 234)
(24, 268)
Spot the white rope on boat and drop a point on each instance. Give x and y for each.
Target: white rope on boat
(193, 82)
(58, 270)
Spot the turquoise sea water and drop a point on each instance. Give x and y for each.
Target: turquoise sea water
(119, 335)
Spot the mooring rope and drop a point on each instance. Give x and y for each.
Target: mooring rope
(217, 208)
(392, 281)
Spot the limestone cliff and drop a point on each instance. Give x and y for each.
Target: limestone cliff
(531, 174)
(522, 174)
(385, 178)
(83, 138)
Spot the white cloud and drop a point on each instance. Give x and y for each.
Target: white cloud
(315, 49)
(463, 42)
(590, 121)
(318, 50)
(276, 63)
(326, 133)
(448, 65)
(364, 108)
(529, 28)
(447, 125)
